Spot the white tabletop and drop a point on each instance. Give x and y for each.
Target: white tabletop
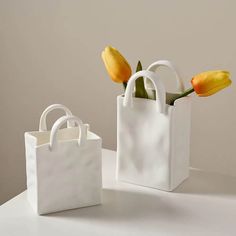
(205, 204)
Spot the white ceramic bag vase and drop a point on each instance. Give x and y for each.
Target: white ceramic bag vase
(63, 166)
(153, 137)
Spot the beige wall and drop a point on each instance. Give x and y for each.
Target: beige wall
(50, 53)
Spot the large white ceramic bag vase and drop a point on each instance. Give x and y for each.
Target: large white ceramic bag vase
(63, 167)
(153, 138)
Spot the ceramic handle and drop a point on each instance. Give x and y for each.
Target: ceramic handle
(57, 125)
(158, 85)
(154, 66)
(43, 123)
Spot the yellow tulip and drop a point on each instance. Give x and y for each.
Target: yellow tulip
(210, 82)
(117, 67)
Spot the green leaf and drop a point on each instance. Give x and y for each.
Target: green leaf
(140, 91)
(125, 85)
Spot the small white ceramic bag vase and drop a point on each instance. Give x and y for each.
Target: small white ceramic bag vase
(153, 137)
(63, 165)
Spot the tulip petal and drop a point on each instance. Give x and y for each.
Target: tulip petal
(117, 67)
(210, 82)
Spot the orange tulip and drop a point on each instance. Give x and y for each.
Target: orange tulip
(117, 67)
(207, 83)
(210, 82)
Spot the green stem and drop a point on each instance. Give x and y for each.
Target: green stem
(125, 85)
(184, 94)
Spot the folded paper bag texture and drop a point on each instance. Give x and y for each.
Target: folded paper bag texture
(63, 165)
(153, 138)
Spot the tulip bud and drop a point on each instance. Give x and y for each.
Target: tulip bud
(117, 67)
(210, 82)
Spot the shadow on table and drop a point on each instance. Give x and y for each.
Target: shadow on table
(119, 205)
(206, 183)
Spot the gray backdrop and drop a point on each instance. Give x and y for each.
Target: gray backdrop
(50, 53)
